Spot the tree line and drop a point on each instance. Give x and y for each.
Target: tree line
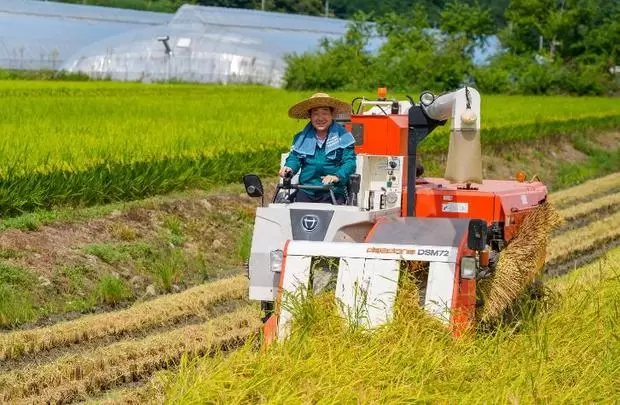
(548, 47)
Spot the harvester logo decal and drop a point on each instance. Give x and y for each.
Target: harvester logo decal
(309, 222)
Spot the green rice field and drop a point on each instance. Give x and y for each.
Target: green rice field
(90, 143)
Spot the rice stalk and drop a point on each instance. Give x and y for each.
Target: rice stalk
(108, 142)
(575, 211)
(568, 355)
(166, 309)
(520, 262)
(591, 188)
(583, 239)
(80, 375)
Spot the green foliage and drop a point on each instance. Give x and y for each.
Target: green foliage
(174, 225)
(112, 289)
(168, 268)
(16, 300)
(114, 253)
(15, 306)
(412, 56)
(73, 277)
(599, 163)
(43, 74)
(341, 63)
(9, 253)
(472, 21)
(551, 47)
(16, 276)
(244, 244)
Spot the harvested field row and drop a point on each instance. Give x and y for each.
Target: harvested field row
(150, 391)
(581, 240)
(164, 310)
(611, 201)
(586, 191)
(76, 377)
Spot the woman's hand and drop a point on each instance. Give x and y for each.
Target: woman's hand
(330, 179)
(284, 171)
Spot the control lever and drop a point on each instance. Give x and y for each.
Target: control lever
(354, 188)
(286, 183)
(383, 198)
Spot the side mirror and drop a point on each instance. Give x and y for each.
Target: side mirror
(477, 234)
(253, 185)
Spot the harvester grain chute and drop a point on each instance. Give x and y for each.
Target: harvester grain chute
(456, 226)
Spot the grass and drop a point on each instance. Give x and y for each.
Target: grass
(112, 290)
(174, 225)
(123, 232)
(551, 357)
(15, 306)
(16, 300)
(168, 268)
(247, 379)
(599, 162)
(605, 202)
(244, 244)
(116, 252)
(108, 142)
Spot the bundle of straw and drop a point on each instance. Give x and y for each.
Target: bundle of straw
(520, 262)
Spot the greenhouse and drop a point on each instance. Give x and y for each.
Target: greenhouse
(43, 35)
(196, 44)
(207, 44)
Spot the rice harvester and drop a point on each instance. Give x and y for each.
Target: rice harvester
(452, 228)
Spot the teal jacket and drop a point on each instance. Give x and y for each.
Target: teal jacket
(335, 157)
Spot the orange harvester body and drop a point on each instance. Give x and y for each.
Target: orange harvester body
(494, 201)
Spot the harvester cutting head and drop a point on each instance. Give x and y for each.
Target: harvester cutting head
(451, 229)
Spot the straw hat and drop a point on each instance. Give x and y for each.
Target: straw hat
(302, 109)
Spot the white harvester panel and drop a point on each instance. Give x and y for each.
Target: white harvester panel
(381, 177)
(367, 280)
(367, 290)
(381, 186)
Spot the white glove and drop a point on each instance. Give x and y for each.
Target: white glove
(284, 170)
(330, 179)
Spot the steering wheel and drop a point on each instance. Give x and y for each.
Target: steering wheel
(287, 185)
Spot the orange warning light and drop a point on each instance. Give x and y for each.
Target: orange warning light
(484, 258)
(382, 93)
(520, 176)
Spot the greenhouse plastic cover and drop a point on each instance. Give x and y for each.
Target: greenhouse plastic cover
(39, 34)
(208, 44)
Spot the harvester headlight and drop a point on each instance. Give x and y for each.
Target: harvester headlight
(468, 267)
(275, 261)
(427, 98)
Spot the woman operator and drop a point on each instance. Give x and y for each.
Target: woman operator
(323, 150)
